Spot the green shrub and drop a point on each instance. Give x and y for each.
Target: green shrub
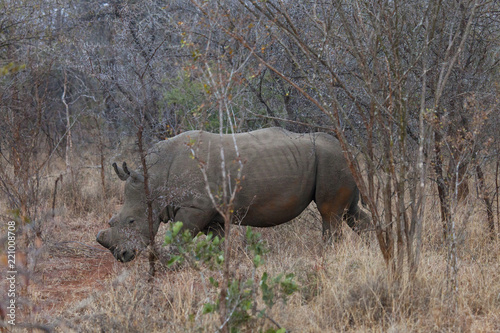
(242, 294)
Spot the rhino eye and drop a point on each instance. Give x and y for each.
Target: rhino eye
(131, 221)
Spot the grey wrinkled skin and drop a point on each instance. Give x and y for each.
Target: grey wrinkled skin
(282, 173)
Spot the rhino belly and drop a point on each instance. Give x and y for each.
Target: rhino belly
(273, 206)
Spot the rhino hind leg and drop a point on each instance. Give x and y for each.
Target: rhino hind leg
(332, 228)
(357, 219)
(331, 216)
(332, 209)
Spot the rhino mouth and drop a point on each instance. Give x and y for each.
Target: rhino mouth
(124, 252)
(123, 255)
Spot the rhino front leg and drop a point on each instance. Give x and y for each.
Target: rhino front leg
(216, 227)
(194, 219)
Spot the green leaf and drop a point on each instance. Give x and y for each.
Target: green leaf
(176, 228)
(256, 260)
(208, 308)
(168, 238)
(288, 286)
(174, 259)
(272, 330)
(214, 282)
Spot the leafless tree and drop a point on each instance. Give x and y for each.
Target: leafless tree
(381, 73)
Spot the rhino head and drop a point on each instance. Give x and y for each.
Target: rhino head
(129, 229)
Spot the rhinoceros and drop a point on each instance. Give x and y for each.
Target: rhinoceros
(282, 173)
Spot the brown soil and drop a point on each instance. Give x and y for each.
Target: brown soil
(62, 279)
(70, 266)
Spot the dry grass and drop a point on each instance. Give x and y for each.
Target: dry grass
(77, 288)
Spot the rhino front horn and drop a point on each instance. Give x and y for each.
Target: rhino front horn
(103, 238)
(124, 173)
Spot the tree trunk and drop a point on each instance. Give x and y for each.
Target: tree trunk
(149, 202)
(69, 140)
(442, 184)
(483, 193)
(496, 193)
(101, 158)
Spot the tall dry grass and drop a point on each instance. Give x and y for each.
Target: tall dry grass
(343, 288)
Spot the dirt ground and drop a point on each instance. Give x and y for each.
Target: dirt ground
(65, 268)
(64, 278)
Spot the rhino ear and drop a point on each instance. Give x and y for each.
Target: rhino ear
(124, 173)
(137, 177)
